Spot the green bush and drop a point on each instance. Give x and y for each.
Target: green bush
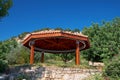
(67, 56)
(3, 66)
(112, 69)
(95, 77)
(18, 55)
(22, 76)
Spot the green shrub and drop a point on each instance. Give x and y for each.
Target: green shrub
(3, 66)
(112, 69)
(18, 55)
(95, 77)
(22, 76)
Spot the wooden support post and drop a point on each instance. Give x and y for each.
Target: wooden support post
(77, 53)
(32, 54)
(42, 57)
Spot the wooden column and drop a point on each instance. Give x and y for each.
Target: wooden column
(77, 58)
(42, 57)
(32, 53)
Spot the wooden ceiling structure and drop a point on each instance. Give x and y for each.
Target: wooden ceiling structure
(56, 41)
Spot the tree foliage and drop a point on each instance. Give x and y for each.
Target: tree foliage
(18, 55)
(76, 30)
(3, 66)
(6, 46)
(104, 40)
(66, 56)
(112, 69)
(58, 28)
(4, 7)
(21, 36)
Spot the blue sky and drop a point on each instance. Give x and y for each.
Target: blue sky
(30, 15)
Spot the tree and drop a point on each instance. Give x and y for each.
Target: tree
(4, 7)
(112, 69)
(67, 29)
(21, 36)
(67, 56)
(76, 30)
(58, 28)
(6, 46)
(104, 40)
(3, 66)
(18, 55)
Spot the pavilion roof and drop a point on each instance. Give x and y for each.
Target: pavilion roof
(55, 31)
(52, 36)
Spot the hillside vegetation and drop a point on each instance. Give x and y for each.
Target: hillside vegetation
(104, 41)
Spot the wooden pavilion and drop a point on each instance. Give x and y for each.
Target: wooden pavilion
(56, 41)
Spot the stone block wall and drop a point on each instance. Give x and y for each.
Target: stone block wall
(53, 73)
(64, 73)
